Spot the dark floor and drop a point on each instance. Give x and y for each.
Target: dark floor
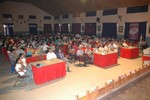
(136, 90)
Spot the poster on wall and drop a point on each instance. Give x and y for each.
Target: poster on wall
(133, 31)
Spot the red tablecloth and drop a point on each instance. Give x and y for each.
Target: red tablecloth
(36, 58)
(129, 52)
(105, 60)
(145, 57)
(49, 72)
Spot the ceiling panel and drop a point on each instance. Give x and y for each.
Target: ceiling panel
(60, 7)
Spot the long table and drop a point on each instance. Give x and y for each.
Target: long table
(49, 70)
(131, 52)
(104, 60)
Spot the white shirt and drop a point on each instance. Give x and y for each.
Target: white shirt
(146, 51)
(95, 50)
(24, 61)
(125, 45)
(17, 68)
(44, 47)
(80, 52)
(115, 45)
(88, 51)
(50, 55)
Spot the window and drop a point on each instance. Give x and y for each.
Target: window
(65, 16)
(91, 13)
(47, 17)
(56, 17)
(137, 9)
(32, 17)
(20, 16)
(110, 12)
(7, 16)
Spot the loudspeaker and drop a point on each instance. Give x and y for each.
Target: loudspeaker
(98, 19)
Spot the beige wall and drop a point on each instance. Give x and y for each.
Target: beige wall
(136, 17)
(25, 9)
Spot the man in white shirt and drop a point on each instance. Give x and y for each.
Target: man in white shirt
(125, 44)
(80, 52)
(50, 55)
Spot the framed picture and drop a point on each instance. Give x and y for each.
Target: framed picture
(120, 29)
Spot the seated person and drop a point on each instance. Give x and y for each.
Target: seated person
(110, 46)
(30, 50)
(12, 56)
(125, 44)
(89, 54)
(37, 50)
(23, 59)
(95, 49)
(101, 48)
(80, 54)
(61, 56)
(20, 69)
(71, 54)
(19, 50)
(52, 47)
(146, 51)
(44, 48)
(50, 55)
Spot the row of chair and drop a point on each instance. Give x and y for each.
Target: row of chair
(113, 85)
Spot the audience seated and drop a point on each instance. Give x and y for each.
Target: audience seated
(75, 47)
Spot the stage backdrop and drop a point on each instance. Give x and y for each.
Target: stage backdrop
(133, 30)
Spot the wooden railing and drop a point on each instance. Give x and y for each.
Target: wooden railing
(111, 85)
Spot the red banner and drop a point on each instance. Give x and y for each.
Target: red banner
(133, 31)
